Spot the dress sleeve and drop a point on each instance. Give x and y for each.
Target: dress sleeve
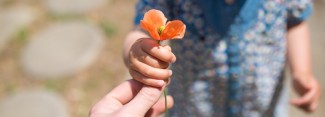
(298, 11)
(145, 5)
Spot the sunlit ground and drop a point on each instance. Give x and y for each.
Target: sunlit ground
(84, 87)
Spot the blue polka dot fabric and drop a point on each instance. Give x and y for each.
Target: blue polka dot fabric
(232, 58)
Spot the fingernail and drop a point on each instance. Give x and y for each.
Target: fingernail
(174, 60)
(170, 72)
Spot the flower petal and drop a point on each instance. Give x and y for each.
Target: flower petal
(151, 29)
(174, 29)
(155, 17)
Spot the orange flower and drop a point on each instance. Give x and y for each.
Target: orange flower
(154, 21)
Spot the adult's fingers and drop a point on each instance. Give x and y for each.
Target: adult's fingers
(143, 101)
(152, 47)
(145, 80)
(119, 96)
(151, 72)
(159, 107)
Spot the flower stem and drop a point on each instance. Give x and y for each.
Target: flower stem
(166, 109)
(165, 92)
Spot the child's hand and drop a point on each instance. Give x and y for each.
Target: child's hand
(309, 92)
(148, 62)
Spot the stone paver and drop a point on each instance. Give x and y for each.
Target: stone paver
(73, 6)
(35, 103)
(12, 19)
(61, 49)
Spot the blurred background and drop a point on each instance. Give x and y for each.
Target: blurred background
(59, 57)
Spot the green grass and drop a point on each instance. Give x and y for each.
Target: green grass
(108, 28)
(22, 35)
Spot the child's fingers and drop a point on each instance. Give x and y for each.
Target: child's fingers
(314, 106)
(304, 107)
(167, 47)
(138, 54)
(305, 99)
(152, 61)
(315, 102)
(148, 81)
(170, 49)
(151, 72)
(159, 52)
(306, 102)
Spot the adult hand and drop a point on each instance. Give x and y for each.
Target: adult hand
(131, 99)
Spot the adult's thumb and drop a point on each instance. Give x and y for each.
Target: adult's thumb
(143, 101)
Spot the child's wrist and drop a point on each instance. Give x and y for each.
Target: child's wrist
(302, 75)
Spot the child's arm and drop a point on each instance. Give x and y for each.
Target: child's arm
(299, 58)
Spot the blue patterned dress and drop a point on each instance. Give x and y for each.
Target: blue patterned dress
(232, 58)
